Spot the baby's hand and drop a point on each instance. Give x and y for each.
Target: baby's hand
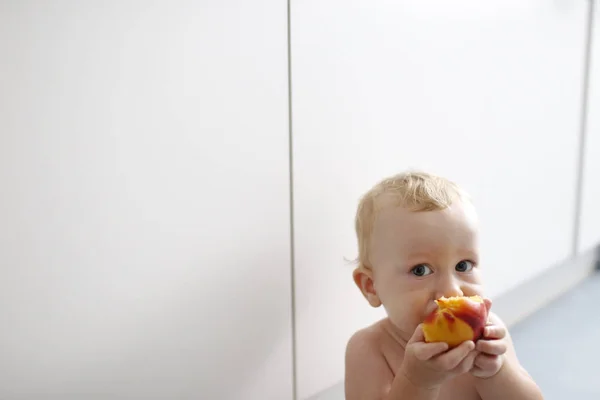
(491, 350)
(428, 365)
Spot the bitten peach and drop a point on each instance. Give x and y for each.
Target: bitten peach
(456, 320)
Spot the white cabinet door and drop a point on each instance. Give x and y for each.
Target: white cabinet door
(144, 213)
(486, 93)
(590, 207)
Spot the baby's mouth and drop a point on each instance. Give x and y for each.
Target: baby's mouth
(431, 307)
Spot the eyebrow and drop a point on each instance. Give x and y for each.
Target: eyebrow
(417, 257)
(421, 256)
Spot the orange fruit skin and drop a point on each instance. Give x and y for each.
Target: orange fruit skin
(457, 319)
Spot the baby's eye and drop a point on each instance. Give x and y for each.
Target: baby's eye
(421, 270)
(464, 266)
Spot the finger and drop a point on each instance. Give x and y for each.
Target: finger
(425, 351)
(488, 304)
(479, 373)
(492, 347)
(486, 362)
(467, 363)
(452, 358)
(494, 332)
(418, 335)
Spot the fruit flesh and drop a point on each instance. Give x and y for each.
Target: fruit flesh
(456, 320)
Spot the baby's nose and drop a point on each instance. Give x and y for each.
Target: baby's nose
(448, 288)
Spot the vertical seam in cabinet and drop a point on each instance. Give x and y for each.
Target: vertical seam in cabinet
(583, 126)
(291, 194)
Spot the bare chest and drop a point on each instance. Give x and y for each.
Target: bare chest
(459, 388)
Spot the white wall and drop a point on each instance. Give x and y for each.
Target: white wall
(144, 197)
(486, 93)
(144, 202)
(590, 208)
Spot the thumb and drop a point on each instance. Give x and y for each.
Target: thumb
(422, 350)
(418, 335)
(488, 304)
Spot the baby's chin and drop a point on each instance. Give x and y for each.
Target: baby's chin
(413, 317)
(403, 328)
(406, 324)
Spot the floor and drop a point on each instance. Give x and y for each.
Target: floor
(559, 345)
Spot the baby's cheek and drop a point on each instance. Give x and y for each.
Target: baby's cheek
(472, 287)
(474, 278)
(403, 324)
(407, 314)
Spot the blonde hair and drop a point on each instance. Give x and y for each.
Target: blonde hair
(414, 190)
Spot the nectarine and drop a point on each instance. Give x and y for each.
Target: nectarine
(456, 320)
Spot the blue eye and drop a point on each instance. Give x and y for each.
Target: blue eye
(421, 270)
(464, 266)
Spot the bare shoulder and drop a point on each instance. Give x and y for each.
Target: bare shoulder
(365, 343)
(368, 375)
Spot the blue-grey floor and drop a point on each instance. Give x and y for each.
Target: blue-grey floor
(559, 345)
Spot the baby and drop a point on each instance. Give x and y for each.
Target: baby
(418, 241)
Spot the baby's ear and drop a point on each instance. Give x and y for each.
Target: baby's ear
(363, 277)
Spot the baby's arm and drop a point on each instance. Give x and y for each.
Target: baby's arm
(368, 375)
(512, 381)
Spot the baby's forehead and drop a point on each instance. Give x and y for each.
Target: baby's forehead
(402, 224)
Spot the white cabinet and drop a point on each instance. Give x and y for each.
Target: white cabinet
(144, 200)
(590, 207)
(486, 93)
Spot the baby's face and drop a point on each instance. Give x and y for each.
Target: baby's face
(418, 257)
